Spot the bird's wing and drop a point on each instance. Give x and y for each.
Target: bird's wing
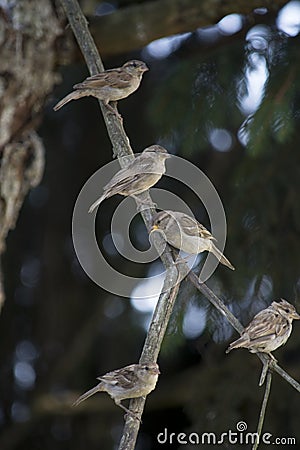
(139, 167)
(281, 328)
(121, 175)
(262, 327)
(115, 186)
(204, 233)
(116, 78)
(124, 377)
(192, 227)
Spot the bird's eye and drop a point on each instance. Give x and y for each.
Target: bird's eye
(146, 368)
(287, 310)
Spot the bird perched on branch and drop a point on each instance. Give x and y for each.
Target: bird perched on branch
(136, 380)
(143, 173)
(269, 329)
(110, 85)
(187, 234)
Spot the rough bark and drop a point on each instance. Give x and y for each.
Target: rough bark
(28, 31)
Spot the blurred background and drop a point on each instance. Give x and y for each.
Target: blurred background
(226, 97)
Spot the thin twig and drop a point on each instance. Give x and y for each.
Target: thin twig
(211, 296)
(263, 411)
(264, 372)
(274, 366)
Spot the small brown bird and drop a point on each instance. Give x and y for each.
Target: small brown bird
(144, 172)
(187, 234)
(110, 85)
(136, 380)
(269, 329)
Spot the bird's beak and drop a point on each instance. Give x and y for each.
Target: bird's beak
(156, 371)
(295, 316)
(154, 228)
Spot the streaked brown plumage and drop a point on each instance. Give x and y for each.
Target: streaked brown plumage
(144, 172)
(269, 329)
(187, 234)
(110, 85)
(136, 380)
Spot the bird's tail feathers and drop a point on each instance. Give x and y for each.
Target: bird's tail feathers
(72, 96)
(88, 394)
(236, 344)
(219, 255)
(97, 203)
